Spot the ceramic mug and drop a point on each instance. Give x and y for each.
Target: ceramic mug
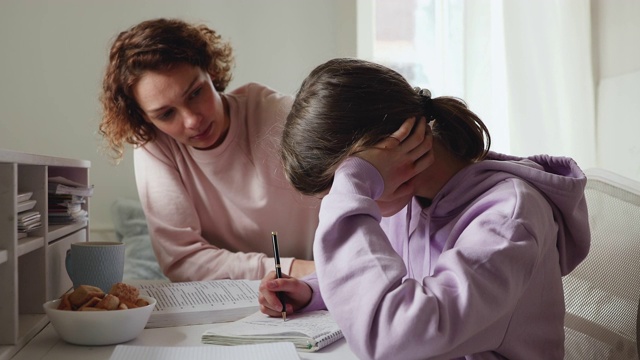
(95, 263)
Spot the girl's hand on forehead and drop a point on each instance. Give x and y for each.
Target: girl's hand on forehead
(402, 156)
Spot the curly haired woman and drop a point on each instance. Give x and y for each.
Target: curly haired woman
(206, 162)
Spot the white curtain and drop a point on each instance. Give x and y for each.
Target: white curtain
(529, 75)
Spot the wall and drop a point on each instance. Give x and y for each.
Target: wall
(616, 35)
(53, 56)
(54, 53)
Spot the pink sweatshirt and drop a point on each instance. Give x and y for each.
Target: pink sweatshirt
(210, 213)
(476, 275)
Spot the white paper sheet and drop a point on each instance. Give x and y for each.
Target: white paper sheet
(270, 351)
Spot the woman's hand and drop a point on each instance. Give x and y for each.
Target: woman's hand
(400, 157)
(297, 294)
(302, 268)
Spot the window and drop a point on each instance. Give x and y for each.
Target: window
(422, 40)
(452, 48)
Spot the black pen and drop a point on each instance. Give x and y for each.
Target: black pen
(276, 255)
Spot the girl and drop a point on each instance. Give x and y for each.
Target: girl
(469, 262)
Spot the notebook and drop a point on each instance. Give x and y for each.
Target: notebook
(309, 331)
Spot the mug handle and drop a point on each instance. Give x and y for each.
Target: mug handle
(67, 264)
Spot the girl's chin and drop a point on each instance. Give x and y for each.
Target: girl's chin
(387, 211)
(389, 208)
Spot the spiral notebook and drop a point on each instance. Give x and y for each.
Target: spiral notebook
(309, 331)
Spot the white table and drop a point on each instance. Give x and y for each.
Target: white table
(48, 345)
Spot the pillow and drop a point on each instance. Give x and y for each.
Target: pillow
(130, 226)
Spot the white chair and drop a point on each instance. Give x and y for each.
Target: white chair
(602, 294)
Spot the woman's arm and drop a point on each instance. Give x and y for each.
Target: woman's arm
(175, 227)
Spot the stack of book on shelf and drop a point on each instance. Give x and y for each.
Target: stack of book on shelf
(28, 219)
(66, 199)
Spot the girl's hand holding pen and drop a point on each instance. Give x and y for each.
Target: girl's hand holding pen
(297, 294)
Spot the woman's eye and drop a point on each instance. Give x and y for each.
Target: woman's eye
(196, 92)
(165, 115)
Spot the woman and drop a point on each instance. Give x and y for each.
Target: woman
(468, 264)
(207, 171)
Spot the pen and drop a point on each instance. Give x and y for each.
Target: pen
(276, 255)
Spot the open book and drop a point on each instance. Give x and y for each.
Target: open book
(200, 302)
(309, 331)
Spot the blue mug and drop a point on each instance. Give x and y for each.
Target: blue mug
(95, 263)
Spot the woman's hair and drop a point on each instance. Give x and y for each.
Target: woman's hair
(347, 104)
(154, 45)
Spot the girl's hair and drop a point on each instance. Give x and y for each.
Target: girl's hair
(347, 104)
(154, 45)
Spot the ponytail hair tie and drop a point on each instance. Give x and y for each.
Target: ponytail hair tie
(423, 92)
(427, 102)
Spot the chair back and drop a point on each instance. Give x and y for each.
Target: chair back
(602, 295)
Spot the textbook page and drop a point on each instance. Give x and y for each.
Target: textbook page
(309, 331)
(272, 351)
(200, 302)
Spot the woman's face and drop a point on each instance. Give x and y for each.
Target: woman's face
(183, 103)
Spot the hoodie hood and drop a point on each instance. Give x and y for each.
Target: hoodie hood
(559, 179)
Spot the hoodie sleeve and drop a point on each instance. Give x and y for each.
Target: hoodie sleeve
(463, 308)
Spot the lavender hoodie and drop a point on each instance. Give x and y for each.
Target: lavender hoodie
(476, 275)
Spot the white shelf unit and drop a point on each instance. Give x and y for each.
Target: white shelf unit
(32, 269)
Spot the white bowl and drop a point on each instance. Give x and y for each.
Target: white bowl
(99, 327)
